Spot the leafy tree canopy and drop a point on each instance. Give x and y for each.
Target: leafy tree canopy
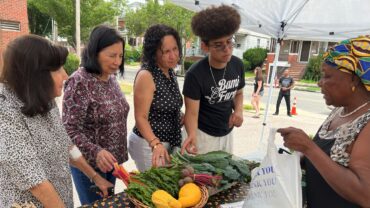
(93, 12)
(137, 21)
(39, 23)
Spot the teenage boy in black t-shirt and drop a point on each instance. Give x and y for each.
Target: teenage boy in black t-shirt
(213, 87)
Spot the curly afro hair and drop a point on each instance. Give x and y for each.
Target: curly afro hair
(215, 22)
(153, 40)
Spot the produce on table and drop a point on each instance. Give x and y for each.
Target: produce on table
(223, 165)
(190, 195)
(217, 170)
(162, 199)
(121, 173)
(188, 176)
(141, 186)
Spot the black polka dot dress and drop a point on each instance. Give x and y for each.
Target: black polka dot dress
(165, 110)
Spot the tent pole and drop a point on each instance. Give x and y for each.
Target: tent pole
(274, 69)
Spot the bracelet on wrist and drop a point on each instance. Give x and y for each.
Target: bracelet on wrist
(152, 140)
(156, 146)
(92, 177)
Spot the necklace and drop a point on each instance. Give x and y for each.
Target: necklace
(354, 111)
(214, 80)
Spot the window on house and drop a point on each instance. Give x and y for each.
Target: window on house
(10, 25)
(294, 46)
(323, 46)
(258, 42)
(314, 47)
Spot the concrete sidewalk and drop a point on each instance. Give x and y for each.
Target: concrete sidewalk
(246, 138)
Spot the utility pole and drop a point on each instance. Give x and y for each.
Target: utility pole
(54, 30)
(78, 35)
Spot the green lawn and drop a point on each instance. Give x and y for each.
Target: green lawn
(307, 81)
(249, 74)
(126, 88)
(249, 107)
(132, 63)
(313, 89)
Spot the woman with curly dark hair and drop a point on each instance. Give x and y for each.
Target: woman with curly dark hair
(213, 87)
(157, 99)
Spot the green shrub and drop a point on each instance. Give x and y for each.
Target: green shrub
(72, 63)
(132, 54)
(187, 64)
(247, 65)
(255, 56)
(313, 68)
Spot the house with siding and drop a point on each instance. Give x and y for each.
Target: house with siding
(294, 54)
(244, 40)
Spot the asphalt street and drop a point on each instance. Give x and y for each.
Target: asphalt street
(307, 101)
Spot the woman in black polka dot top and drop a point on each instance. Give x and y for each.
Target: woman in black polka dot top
(157, 100)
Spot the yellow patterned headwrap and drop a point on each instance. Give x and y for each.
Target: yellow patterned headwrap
(352, 56)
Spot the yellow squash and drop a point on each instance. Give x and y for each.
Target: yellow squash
(189, 195)
(162, 199)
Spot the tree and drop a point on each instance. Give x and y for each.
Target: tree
(38, 22)
(313, 68)
(180, 19)
(137, 21)
(255, 56)
(93, 12)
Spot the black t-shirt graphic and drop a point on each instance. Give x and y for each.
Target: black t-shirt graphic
(286, 82)
(216, 99)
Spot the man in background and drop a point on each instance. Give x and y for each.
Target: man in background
(286, 83)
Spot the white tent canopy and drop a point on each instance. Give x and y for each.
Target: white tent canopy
(319, 20)
(316, 20)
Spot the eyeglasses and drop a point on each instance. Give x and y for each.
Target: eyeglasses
(222, 47)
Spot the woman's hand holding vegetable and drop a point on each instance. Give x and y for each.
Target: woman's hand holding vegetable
(105, 160)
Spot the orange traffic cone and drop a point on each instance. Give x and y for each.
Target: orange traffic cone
(294, 107)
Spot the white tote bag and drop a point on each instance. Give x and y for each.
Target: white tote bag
(277, 181)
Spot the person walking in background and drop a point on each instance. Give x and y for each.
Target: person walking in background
(258, 91)
(157, 99)
(95, 110)
(35, 149)
(286, 83)
(213, 86)
(337, 159)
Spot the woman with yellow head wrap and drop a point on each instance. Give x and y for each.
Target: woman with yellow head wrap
(337, 160)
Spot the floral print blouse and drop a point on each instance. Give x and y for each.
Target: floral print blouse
(95, 115)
